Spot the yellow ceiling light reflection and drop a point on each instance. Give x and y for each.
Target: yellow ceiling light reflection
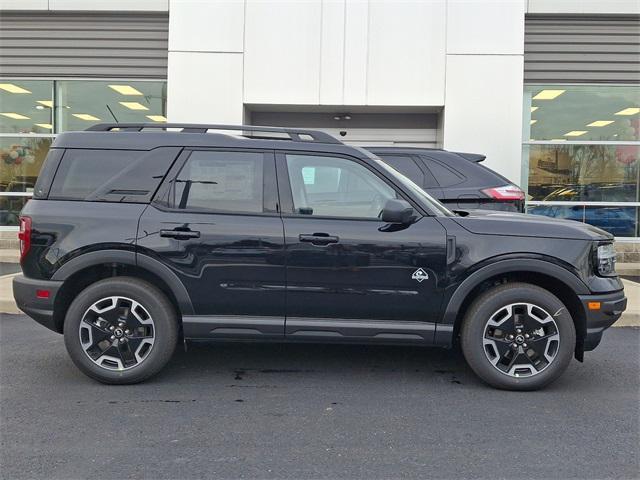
(575, 133)
(548, 94)
(133, 105)
(125, 90)
(11, 88)
(48, 126)
(533, 109)
(85, 116)
(600, 123)
(157, 118)
(15, 116)
(628, 111)
(532, 122)
(46, 103)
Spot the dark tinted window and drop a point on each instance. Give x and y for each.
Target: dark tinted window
(406, 166)
(445, 176)
(220, 181)
(83, 172)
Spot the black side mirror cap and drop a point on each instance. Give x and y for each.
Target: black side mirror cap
(397, 211)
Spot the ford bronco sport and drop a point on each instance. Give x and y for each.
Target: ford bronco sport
(141, 235)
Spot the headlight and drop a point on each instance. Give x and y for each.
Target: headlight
(606, 260)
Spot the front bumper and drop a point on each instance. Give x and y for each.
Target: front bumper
(25, 293)
(612, 305)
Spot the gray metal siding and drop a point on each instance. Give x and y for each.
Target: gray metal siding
(582, 49)
(88, 45)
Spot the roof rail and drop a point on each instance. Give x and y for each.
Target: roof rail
(295, 134)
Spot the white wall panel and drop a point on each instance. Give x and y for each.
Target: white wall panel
(485, 26)
(332, 52)
(355, 52)
(282, 52)
(584, 6)
(406, 59)
(205, 26)
(102, 5)
(205, 88)
(24, 4)
(484, 114)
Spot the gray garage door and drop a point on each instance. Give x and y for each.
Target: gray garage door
(582, 49)
(380, 129)
(88, 45)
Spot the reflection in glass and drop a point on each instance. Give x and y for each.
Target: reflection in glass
(26, 106)
(602, 173)
(620, 221)
(84, 103)
(582, 112)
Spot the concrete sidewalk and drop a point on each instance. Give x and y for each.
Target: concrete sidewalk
(631, 317)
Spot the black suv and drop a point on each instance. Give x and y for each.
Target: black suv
(140, 235)
(456, 179)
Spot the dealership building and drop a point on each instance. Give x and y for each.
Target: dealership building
(548, 90)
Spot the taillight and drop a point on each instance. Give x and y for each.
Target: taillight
(508, 192)
(24, 235)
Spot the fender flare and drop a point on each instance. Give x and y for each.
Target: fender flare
(444, 328)
(127, 257)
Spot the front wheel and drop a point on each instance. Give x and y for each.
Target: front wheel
(121, 330)
(518, 337)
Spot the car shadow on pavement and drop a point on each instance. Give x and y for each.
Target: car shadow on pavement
(264, 363)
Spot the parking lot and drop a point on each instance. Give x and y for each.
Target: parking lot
(313, 411)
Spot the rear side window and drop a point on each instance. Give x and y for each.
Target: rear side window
(81, 172)
(111, 175)
(220, 181)
(406, 166)
(444, 176)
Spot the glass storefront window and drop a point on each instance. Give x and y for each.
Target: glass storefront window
(35, 110)
(620, 221)
(582, 147)
(81, 104)
(581, 112)
(20, 162)
(26, 106)
(583, 173)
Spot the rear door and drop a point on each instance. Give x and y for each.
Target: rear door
(215, 224)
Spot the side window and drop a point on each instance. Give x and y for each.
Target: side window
(335, 187)
(220, 181)
(82, 172)
(444, 176)
(406, 166)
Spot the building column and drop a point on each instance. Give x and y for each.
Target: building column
(484, 82)
(205, 70)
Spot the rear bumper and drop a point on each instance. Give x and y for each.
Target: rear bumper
(612, 305)
(40, 309)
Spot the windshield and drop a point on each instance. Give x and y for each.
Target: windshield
(427, 200)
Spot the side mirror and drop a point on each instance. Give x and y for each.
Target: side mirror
(397, 211)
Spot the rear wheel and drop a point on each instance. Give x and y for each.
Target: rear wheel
(121, 330)
(518, 337)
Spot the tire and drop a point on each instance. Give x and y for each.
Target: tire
(114, 354)
(490, 328)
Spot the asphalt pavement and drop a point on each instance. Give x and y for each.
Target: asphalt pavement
(313, 411)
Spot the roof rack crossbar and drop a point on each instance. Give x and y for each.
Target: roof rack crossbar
(295, 134)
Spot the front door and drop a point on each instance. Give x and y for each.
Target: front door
(215, 224)
(350, 275)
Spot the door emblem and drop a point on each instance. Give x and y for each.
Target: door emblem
(420, 275)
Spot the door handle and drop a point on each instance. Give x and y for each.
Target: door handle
(318, 238)
(179, 234)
